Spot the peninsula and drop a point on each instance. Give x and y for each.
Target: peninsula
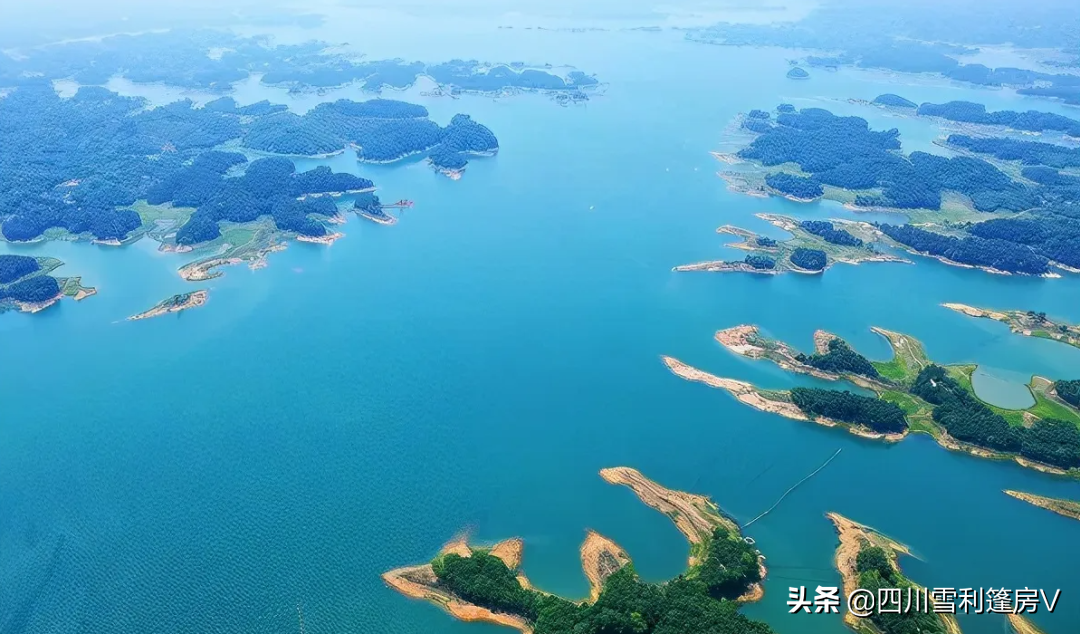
(1025, 322)
(1068, 508)
(868, 560)
(174, 304)
(815, 245)
(26, 284)
(909, 393)
(486, 584)
(962, 210)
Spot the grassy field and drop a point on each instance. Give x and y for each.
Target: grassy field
(909, 357)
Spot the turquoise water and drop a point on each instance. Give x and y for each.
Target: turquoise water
(348, 409)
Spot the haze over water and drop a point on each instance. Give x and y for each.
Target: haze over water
(348, 409)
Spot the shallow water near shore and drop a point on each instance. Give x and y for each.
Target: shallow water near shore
(348, 409)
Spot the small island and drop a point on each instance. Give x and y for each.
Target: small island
(908, 393)
(890, 100)
(1068, 508)
(174, 304)
(486, 584)
(798, 73)
(26, 284)
(868, 560)
(815, 245)
(1025, 322)
(370, 207)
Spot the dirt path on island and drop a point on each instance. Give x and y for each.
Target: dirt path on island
(741, 390)
(694, 515)
(600, 558)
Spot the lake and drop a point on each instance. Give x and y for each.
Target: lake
(348, 409)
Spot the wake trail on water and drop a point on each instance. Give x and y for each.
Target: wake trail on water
(795, 486)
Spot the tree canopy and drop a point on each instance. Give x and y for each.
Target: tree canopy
(878, 415)
(698, 601)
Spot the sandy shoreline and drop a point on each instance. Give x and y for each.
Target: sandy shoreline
(1066, 508)
(327, 239)
(37, 307)
(1021, 625)
(600, 558)
(420, 582)
(853, 538)
(741, 390)
(382, 219)
(696, 516)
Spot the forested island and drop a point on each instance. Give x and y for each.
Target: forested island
(893, 101)
(804, 154)
(486, 584)
(183, 58)
(1068, 508)
(109, 168)
(907, 393)
(26, 284)
(911, 39)
(868, 560)
(1025, 322)
(815, 245)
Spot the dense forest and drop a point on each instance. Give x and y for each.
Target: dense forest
(1031, 120)
(182, 58)
(1051, 235)
(876, 573)
(840, 359)
(894, 101)
(829, 233)
(1069, 391)
(967, 418)
(78, 164)
(808, 259)
(868, 411)
(13, 267)
(1027, 152)
(844, 152)
(698, 601)
(1001, 255)
(384, 130)
(268, 187)
(760, 262)
(39, 288)
(797, 186)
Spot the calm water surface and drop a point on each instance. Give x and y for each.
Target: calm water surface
(348, 409)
